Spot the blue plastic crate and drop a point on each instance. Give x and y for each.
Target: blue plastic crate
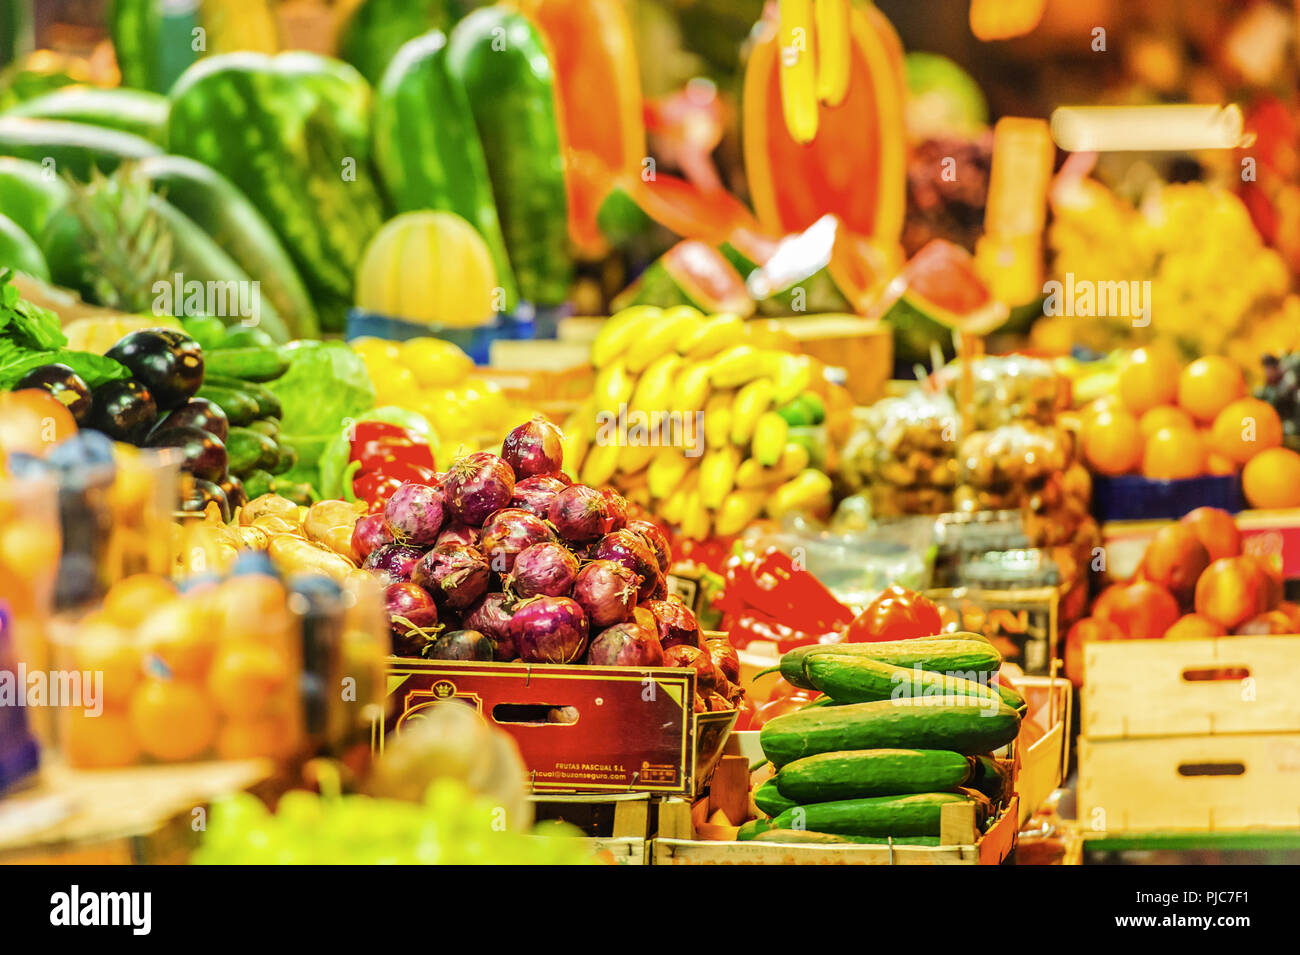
(523, 324)
(1133, 498)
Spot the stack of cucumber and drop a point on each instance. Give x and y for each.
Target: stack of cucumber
(237, 364)
(903, 729)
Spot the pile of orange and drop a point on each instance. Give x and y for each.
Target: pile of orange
(1166, 422)
(185, 676)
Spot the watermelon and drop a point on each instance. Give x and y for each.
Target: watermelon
(138, 112)
(938, 291)
(18, 251)
(690, 273)
(634, 202)
(28, 195)
(377, 29)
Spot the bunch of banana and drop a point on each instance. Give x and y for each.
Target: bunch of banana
(691, 416)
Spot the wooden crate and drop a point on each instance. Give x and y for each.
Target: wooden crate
(1043, 762)
(1137, 688)
(618, 826)
(1190, 783)
(965, 848)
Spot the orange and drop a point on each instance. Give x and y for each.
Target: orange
(180, 635)
(1208, 385)
(251, 605)
(1244, 428)
(1164, 416)
(248, 739)
(1173, 453)
(104, 649)
(98, 742)
(133, 598)
(1149, 378)
(1112, 442)
(244, 676)
(172, 719)
(1271, 479)
(1220, 465)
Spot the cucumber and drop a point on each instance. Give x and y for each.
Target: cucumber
(240, 408)
(217, 206)
(268, 405)
(29, 195)
(1012, 698)
(72, 148)
(950, 654)
(913, 815)
(992, 777)
(248, 364)
(955, 723)
(803, 837)
(769, 799)
(860, 679)
(257, 483)
(752, 829)
(267, 426)
(138, 112)
(19, 251)
(872, 772)
(242, 337)
(207, 331)
(247, 450)
(288, 458)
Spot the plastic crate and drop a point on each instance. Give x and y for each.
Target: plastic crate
(1133, 498)
(525, 323)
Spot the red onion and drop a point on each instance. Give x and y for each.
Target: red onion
(549, 630)
(536, 493)
(676, 624)
(477, 485)
(630, 549)
(415, 514)
(707, 676)
(579, 513)
(547, 569)
(456, 574)
(607, 592)
(658, 541)
(410, 611)
(460, 645)
(645, 618)
(534, 447)
(369, 532)
(490, 616)
(625, 645)
(724, 657)
(393, 562)
(616, 505)
(507, 532)
(660, 590)
(459, 534)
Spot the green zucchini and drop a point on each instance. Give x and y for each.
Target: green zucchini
(268, 405)
(871, 772)
(19, 251)
(956, 723)
(501, 61)
(72, 148)
(769, 799)
(247, 450)
(217, 206)
(949, 654)
(30, 194)
(138, 112)
(803, 837)
(861, 680)
(249, 364)
(913, 815)
(240, 409)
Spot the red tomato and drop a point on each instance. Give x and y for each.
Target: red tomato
(779, 707)
(897, 614)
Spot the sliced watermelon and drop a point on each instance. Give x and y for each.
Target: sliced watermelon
(679, 206)
(938, 291)
(690, 273)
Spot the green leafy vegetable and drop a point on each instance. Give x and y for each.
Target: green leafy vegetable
(24, 322)
(326, 384)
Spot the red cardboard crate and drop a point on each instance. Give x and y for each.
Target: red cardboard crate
(628, 729)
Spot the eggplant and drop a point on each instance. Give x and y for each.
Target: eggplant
(234, 491)
(203, 454)
(124, 410)
(167, 362)
(197, 494)
(459, 645)
(198, 413)
(64, 384)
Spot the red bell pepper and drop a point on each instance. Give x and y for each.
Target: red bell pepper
(775, 588)
(376, 443)
(897, 614)
(376, 487)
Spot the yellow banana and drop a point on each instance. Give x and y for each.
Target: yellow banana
(576, 435)
(655, 391)
(737, 365)
(738, 510)
(832, 19)
(712, 336)
(620, 331)
(751, 401)
(600, 464)
(695, 517)
(810, 490)
(674, 506)
(667, 471)
(798, 69)
(661, 336)
(691, 390)
(717, 419)
(718, 474)
(635, 457)
(790, 375)
(614, 386)
(769, 438)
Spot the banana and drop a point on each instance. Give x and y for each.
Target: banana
(798, 69)
(661, 336)
(790, 375)
(673, 508)
(833, 32)
(634, 458)
(614, 386)
(751, 401)
(712, 336)
(600, 464)
(810, 490)
(695, 516)
(737, 365)
(718, 474)
(769, 438)
(621, 331)
(738, 510)
(654, 389)
(717, 418)
(691, 389)
(667, 471)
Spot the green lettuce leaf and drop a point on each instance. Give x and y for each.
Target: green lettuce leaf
(326, 385)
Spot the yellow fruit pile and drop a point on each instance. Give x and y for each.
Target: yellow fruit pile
(718, 400)
(434, 378)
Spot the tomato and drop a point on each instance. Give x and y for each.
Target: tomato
(33, 421)
(779, 707)
(897, 614)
